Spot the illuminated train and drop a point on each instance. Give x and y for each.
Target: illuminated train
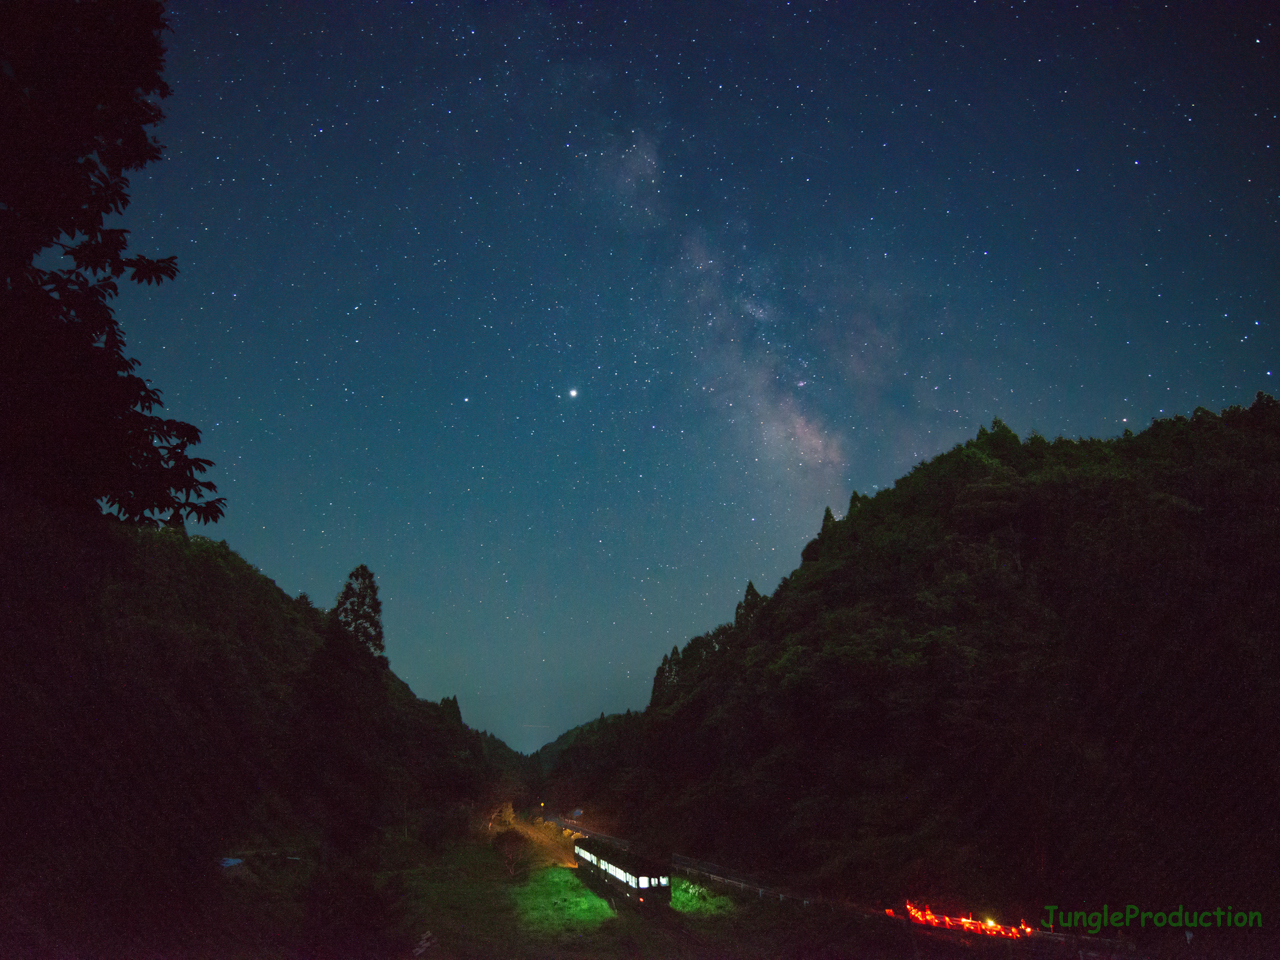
(612, 872)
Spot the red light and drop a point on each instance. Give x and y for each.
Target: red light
(968, 924)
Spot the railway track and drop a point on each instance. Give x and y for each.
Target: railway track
(920, 939)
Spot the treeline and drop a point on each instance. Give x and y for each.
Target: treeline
(1031, 672)
(164, 705)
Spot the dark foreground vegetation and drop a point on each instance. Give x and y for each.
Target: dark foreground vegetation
(1032, 672)
(163, 706)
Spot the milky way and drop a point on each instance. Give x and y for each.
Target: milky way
(781, 252)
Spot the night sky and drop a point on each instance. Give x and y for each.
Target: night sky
(568, 319)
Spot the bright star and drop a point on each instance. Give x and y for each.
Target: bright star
(573, 393)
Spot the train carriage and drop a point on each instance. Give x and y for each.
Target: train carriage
(615, 872)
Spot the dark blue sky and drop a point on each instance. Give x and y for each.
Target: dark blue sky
(568, 319)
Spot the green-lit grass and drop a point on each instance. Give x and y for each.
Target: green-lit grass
(692, 898)
(476, 908)
(554, 901)
(479, 909)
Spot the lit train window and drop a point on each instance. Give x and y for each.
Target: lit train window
(644, 883)
(665, 881)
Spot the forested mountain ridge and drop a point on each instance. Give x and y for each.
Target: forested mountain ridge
(165, 705)
(1029, 670)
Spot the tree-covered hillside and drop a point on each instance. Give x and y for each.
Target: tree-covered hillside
(165, 705)
(1032, 672)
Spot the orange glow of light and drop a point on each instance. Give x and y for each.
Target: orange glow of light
(968, 924)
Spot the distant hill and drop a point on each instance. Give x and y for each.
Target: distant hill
(1031, 672)
(163, 704)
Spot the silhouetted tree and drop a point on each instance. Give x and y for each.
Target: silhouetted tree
(359, 610)
(828, 520)
(449, 707)
(76, 422)
(750, 603)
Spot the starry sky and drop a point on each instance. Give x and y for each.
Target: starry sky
(570, 318)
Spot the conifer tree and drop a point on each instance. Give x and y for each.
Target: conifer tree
(747, 606)
(828, 521)
(359, 611)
